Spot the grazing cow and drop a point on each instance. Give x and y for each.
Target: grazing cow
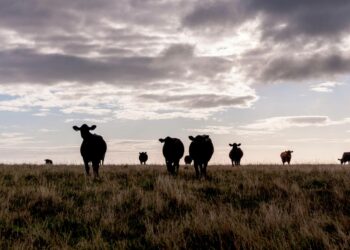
(173, 150)
(143, 157)
(48, 162)
(93, 148)
(286, 156)
(188, 160)
(201, 150)
(236, 154)
(345, 158)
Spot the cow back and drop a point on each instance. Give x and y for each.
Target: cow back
(173, 149)
(94, 148)
(201, 152)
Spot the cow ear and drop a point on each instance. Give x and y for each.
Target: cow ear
(238, 144)
(230, 145)
(76, 128)
(291, 151)
(92, 127)
(191, 138)
(161, 140)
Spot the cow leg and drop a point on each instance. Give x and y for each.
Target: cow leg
(87, 168)
(170, 167)
(204, 170)
(232, 163)
(95, 166)
(195, 164)
(176, 166)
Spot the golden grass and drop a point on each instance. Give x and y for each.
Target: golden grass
(142, 207)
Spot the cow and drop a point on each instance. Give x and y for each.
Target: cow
(345, 158)
(201, 150)
(286, 156)
(143, 157)
(236, 154)
(188, 160)
(173, 150)
(48, 162)
(93, 148)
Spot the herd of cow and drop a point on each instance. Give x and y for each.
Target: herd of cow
(93, 150)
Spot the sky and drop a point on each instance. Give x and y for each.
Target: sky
(272, 75)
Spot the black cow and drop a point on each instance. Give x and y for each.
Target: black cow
(143, 157)
(345, 158)
(236, 154)
(201, 151)
(286, 156)
(48, 162)
(173, 150)
(93, 148)
(188, 160)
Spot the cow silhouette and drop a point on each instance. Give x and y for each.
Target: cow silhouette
(286, 156)
(143, 157)
(188, 160)
(93, 148)
(236, 154)
(48, 162)
(173, 150)
(201, 150)
(345, 158)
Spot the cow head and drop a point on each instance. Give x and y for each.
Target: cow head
(199, 138)
(84, 130)
(289, 152)
(165, 139)
(341, 161)
(235, 145)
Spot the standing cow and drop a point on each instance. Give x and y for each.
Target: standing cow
(286, 156)
(93, 148)
(173, 150)
(143, 157)
(345, 158)
(236, 154)
(201, 150)
(188, 160)
(48, 162)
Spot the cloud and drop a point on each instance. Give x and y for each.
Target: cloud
(279, 19)
(102, 102)
(290, 40)
(302, 67)
(325, 86)
(273, 124)
(216, 130)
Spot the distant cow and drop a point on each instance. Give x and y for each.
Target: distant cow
(201, 150)
(286, 156)
(236, 154)
(345, 158)
(188, 160)
(173, 150)
(93, 148)
(143, 157)
(48, 162)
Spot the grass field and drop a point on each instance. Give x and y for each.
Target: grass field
(134, 207)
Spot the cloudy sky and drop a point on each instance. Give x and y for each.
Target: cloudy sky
(272, 75)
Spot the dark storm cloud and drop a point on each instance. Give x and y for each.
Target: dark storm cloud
(29, 66)
(281, 19)
(295, 68)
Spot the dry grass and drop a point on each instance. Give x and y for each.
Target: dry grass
(134, 207)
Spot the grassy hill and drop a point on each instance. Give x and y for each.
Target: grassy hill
(137, 207)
